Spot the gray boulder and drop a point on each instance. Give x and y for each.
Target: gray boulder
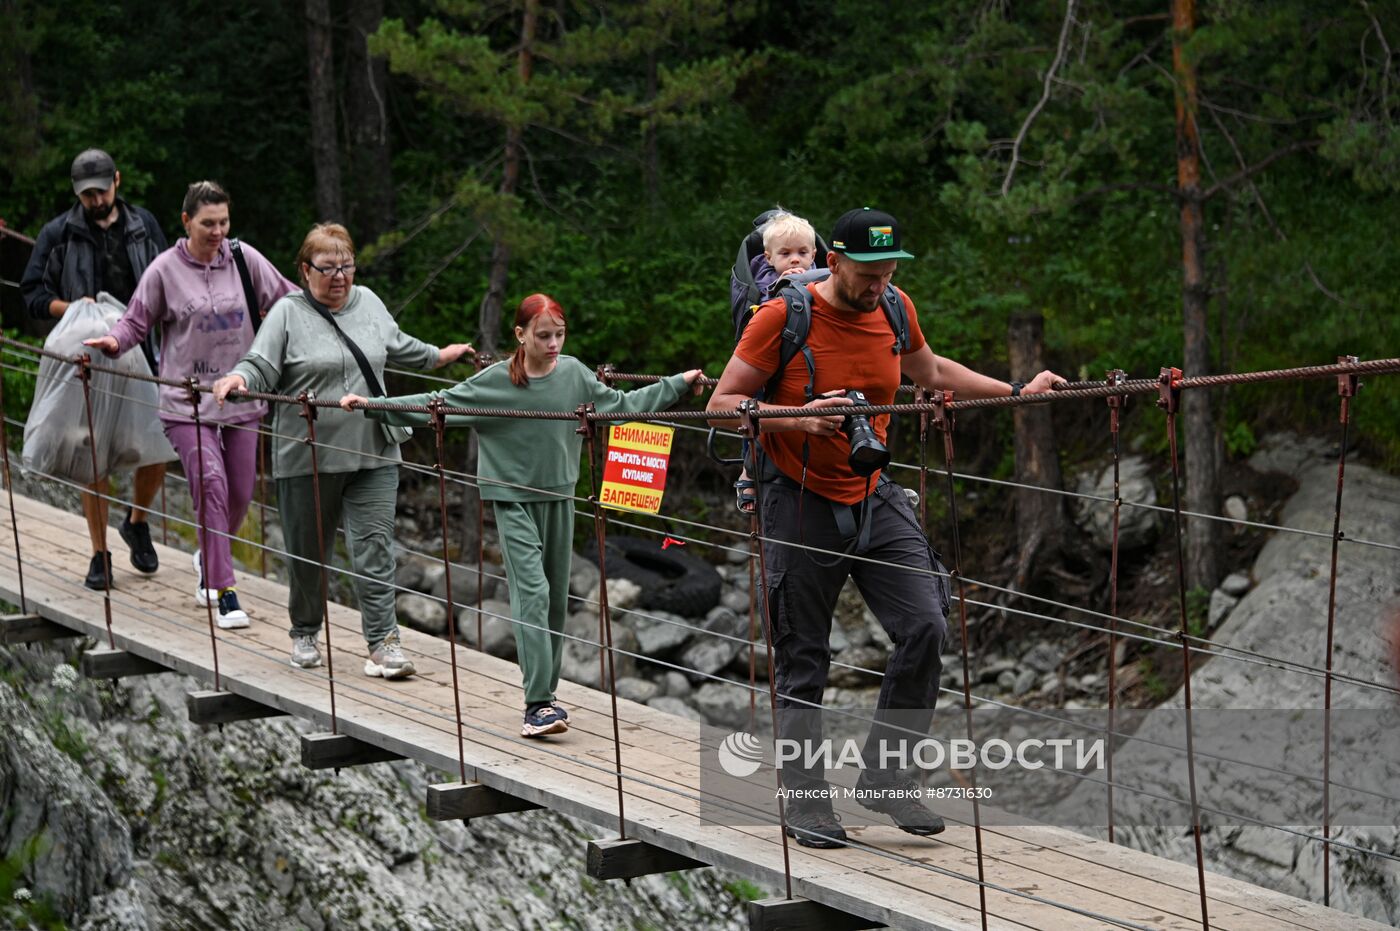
(421, 612)
(677, 707)
(1137, 526)
(724, 704)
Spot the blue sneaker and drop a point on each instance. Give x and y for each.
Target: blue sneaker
(543, 721)
(563, 712)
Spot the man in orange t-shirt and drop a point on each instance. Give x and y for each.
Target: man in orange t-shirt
(822, 522)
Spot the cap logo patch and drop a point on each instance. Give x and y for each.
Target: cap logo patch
(882, 236)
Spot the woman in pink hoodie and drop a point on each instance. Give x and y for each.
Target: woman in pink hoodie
(195, 292)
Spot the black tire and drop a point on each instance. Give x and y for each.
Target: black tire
(671, 580)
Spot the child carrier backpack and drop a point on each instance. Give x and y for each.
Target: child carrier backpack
(744, 293)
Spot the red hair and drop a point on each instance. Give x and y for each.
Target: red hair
(533, 306)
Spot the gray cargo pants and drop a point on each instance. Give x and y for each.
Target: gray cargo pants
(802, 588)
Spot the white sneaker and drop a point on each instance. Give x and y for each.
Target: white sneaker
(202, 596)
(230, 615)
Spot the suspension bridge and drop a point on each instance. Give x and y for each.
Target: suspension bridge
(635, 772)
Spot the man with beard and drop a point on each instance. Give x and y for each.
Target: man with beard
(827, 515)
(101, 244)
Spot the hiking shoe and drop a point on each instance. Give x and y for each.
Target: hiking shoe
(545, 720)
(304, 652)
(900, 800)
(231, 615)
(138, 537)
(387, 659)
(812, 823)
(98, 573)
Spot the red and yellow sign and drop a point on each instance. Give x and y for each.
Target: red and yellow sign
(634, 474)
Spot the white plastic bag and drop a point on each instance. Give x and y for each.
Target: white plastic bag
(125, 427)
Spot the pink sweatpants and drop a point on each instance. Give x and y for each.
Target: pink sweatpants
(225, 485)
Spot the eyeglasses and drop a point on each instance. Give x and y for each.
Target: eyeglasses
(331, 271)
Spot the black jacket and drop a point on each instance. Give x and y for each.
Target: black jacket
(63, 264)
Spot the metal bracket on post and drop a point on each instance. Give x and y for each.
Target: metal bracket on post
(585, 426)
(1348, 384)
(1169, 389)
(605, 373)
(1116, 402)
(943, 417)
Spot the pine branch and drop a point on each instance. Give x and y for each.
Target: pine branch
(1044, 97)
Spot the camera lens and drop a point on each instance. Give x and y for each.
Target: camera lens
(868, 454)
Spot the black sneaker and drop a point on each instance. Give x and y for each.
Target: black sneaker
(812, 823)
(97, 573)
(138, 537)
(900, 800)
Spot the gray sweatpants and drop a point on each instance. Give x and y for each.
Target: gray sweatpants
(366, 500)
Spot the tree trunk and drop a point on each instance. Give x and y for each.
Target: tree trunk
(494, 300)
(371, 207)
(17, 96)
(320, 61)
(1202, 442)
(1041, 525)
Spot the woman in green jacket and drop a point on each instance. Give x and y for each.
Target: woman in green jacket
(527, 470)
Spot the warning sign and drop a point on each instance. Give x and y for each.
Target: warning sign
(634, 475)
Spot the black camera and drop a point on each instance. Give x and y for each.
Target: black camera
(868, 454)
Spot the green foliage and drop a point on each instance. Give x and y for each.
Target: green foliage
(20, 906)
(1198, 611)
(1240, 440)
(743, 890)
(652, 131)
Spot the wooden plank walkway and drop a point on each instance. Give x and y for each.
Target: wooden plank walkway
(904, 882)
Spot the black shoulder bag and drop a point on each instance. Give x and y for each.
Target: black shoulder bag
(250, 297)
(393, 434)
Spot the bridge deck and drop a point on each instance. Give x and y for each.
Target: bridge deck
(155, 618)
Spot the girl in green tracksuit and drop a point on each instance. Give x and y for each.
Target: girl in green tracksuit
(528, 470)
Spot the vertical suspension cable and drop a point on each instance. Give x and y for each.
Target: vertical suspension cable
(943, 419)
(439, 431)
(1169, 387)
(1346, 390)
(921, 396)
(10, 494)
(600, 533)
(308, 413)
(262, 500)
(753, 612)
(480, 554)
(84, 363)
(202, 524)
(1116, 403)
(748, 426)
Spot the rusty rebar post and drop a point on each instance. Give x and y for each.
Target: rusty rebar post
(439, 433)
(202, 523)
(262, 500)
(749, 429)
(10, 494)
(1169, 397)
(943, 420)
(481, 361)
(1116, 404)
(1347, 386)
(84, 363)
(308, 413)
(921, 396)
(605, 640)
